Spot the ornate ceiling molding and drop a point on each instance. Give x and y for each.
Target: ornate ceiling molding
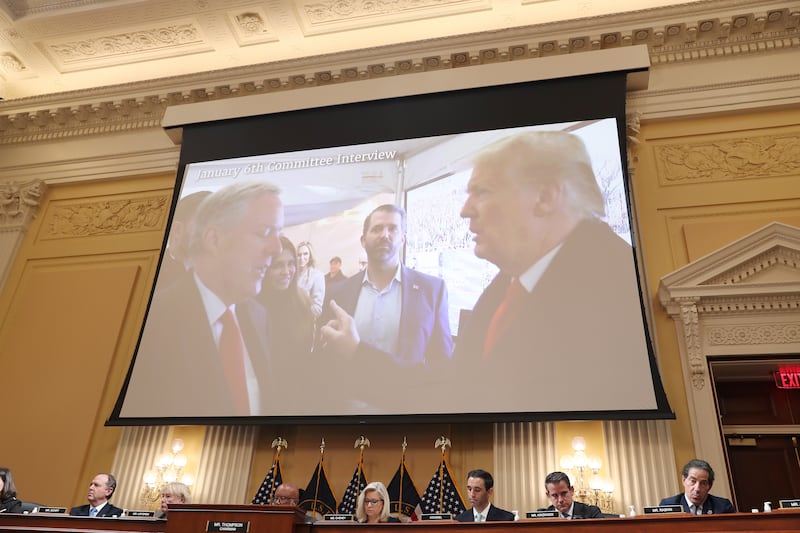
(141, 105)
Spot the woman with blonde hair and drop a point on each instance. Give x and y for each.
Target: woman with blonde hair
(171, 494)
(309, 278)
(372, 506)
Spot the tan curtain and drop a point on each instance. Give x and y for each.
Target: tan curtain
(641, 462)
(524, 453)
(224, 472)
(137, 451)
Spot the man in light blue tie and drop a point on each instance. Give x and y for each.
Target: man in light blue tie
(480, 486)
(100, 490)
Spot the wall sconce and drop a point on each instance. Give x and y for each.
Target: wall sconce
(167, 469)
(599, 491)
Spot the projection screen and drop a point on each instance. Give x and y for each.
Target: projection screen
(585, 351)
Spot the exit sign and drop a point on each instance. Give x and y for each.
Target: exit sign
(787, 379)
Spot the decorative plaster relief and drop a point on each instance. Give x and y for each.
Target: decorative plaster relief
(170, 40)
(251, 27)
(748, 157)
(18, 204)
(760, 267)
(774, 333)
(11, 64)
(336, 15)
(508, 45)
(694, 352)
(106, 217)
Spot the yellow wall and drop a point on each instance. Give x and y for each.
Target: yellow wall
(69, 320)
(700, 184)
(76, 295)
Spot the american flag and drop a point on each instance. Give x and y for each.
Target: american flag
(403, 494)
(354, 488)
(442, 496)
(271, 482)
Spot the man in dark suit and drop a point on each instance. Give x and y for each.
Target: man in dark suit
(388, 311)
(698, 478)
(384, 323)
(561, 493)
(100, 490)
(204, 350)
(174, 264)
(480, 487)
(566, 297)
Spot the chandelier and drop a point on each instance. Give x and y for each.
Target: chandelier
(598, 490)
(167, 469)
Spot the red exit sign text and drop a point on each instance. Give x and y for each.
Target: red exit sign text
(787, 379)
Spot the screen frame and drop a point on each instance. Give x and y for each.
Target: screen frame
(439, 113)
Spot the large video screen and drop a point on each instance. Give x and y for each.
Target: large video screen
(244, 324)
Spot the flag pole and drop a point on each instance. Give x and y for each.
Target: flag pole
(443, 443)
(361, 443)
(279, 443)
(319, 468)
(402, 472)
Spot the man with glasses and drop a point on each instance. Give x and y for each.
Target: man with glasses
(698, 478)
(286, 494)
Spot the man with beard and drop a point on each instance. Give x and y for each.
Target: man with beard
(205, 346)
(388, 313)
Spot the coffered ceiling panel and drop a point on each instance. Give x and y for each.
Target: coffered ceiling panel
(129, 45)
(325, 16)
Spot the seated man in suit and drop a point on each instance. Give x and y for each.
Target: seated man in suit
(561, 493)
(698, 478)
(100, 490)
(480, 486)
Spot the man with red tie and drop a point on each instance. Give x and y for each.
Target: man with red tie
(205, 347)
(535, 208)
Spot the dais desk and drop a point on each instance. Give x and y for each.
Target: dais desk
(287, 519)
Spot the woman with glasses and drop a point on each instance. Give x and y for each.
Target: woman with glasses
(372, 506)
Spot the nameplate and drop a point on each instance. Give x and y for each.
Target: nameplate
(436, 516)
(660, 509)
(542, 514)
(141, 514)
(339, 517)
(52, 510)
(238, 527)
(789, 504)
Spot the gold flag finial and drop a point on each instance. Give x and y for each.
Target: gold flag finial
(361, 443)
(443, 443)
(279, 443)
